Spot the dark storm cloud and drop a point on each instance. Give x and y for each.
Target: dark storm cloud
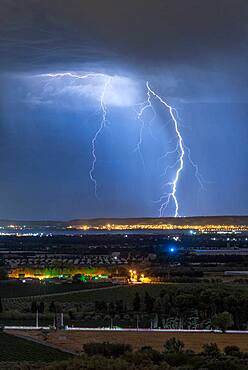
(137, 32)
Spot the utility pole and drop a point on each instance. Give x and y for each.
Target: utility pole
(137, 322)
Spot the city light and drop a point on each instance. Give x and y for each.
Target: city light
(163, 226)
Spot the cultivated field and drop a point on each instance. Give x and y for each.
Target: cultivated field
(73, 341)
(18, 349)
(86, 293)
(16, 289)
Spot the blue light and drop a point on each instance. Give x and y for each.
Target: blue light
(172, 250)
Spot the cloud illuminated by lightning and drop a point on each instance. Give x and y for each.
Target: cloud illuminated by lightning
(106, 84)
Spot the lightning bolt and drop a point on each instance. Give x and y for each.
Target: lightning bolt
(180, 148)
(140, 113)
(166, 198)
(103, 108)
(99, 131)
(74, 75)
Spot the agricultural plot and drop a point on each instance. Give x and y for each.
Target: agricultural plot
(85, 298)
(74, 341)
(15, 289)
(18, 349)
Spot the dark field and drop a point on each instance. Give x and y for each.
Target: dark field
(18, 349)
(12, 289)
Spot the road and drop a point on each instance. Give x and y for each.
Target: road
(67, 328)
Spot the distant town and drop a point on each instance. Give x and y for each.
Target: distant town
(108, 252)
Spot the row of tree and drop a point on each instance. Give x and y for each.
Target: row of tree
(208, 302)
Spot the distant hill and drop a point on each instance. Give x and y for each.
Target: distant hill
(206, 220)
(177, 221)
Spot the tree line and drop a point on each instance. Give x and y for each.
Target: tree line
(208, 303)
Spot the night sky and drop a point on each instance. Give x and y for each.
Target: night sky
(193, 53)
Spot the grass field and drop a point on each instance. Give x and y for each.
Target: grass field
(125, 292)
(73, 341)
(96, 292)
(15, 288)
(17, 349)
